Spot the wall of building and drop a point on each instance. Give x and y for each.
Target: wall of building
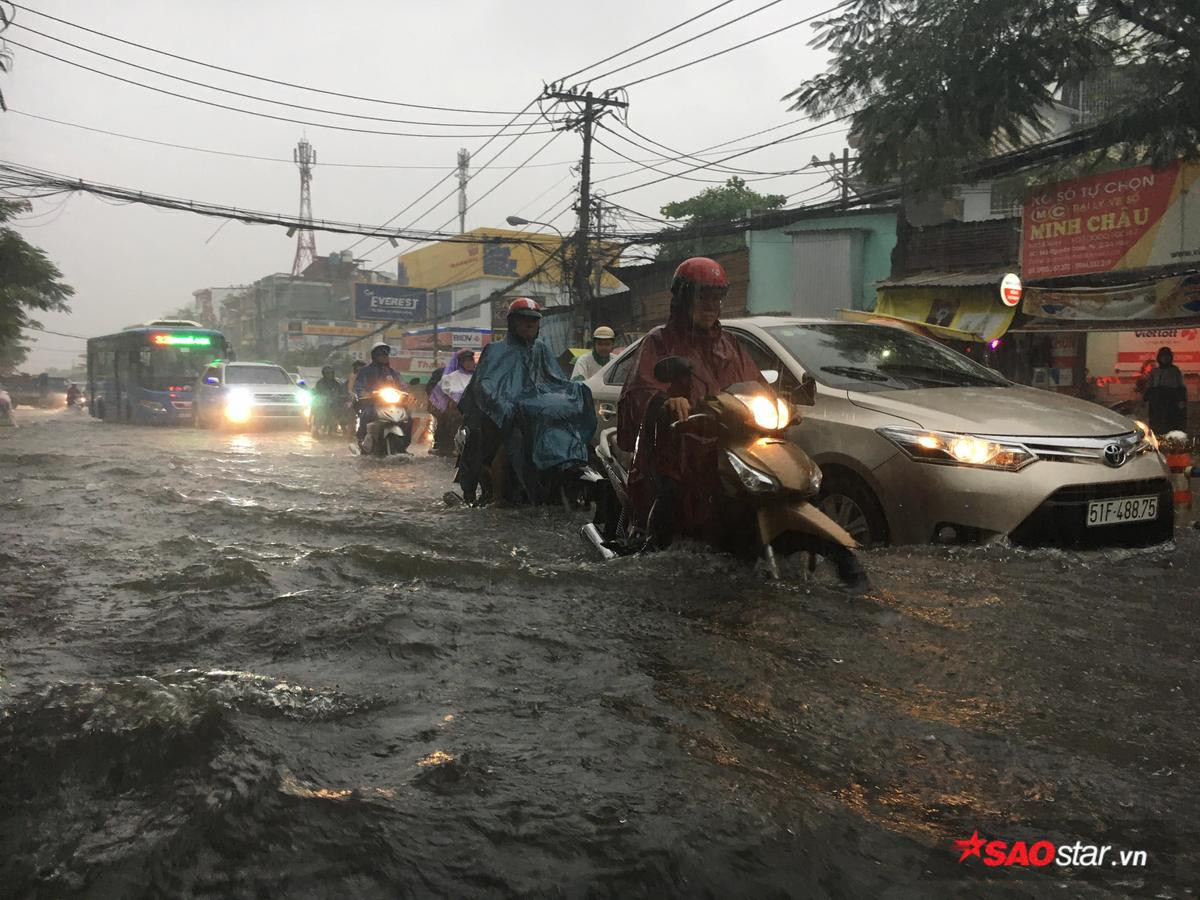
(775, 284)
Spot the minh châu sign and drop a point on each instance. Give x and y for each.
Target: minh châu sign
(389, 302)
(1129, 219)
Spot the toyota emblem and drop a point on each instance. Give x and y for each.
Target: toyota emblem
(1115, 455)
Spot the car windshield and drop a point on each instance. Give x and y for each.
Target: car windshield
(256, 375)
(860, 357)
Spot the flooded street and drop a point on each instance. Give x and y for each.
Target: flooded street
(254, 665)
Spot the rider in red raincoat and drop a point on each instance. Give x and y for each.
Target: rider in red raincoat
(674, 473)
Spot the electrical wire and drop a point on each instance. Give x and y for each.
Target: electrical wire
(301, 87)
(724, 159)
(643, 43)
(747, 43)
(238, 109)
(18, 176)
(682, 43)
(254, 97)
(677, 155)
(452, 172)
(752, 179)
(77, 337)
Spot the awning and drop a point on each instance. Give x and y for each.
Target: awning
(958, 305)
(923, 328)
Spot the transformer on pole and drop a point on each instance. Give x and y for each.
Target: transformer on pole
(305, 158)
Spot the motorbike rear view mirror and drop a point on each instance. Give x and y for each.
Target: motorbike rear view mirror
(771, 376)
(806, 393)
(670, 368)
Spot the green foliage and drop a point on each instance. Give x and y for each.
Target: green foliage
(932, 84)
(714, 206)
(28, 281)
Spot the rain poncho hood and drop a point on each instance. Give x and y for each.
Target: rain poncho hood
(719, 361)
(452, 384)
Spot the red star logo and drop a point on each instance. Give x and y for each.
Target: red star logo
(971, 846)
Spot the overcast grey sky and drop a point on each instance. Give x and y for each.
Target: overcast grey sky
(130, 263)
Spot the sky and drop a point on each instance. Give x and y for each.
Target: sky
(131, 263)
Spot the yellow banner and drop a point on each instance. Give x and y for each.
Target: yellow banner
(964, 313)
(508, 254)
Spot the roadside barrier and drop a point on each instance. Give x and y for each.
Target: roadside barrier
(1179, 461)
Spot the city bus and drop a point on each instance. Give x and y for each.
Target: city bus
(146, 374)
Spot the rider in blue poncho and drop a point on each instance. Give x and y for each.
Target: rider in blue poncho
(527, 425)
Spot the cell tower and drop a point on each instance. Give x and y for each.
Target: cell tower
(306, 243)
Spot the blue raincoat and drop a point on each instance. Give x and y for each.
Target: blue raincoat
(544, 421)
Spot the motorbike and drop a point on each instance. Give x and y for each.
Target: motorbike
(390, 431)
(767, 483)
(329, 414)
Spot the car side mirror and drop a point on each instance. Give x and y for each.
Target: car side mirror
(211, 379)
(770, 376)
(300, 383)
(806, 393)
(671, 368)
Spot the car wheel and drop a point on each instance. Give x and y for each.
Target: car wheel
(850, 503)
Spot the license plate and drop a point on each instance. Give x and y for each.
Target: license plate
(1122, 510)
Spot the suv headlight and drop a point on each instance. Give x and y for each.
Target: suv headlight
(944, 448)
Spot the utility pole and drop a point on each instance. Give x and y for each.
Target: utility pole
(305, 158)
(840, 179)
(464, 162)
(588, 110)
(598, 210)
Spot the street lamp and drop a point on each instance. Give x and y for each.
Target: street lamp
(517, 220)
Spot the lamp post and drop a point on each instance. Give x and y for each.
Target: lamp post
(517, 220)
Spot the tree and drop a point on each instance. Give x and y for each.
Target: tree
(28, 281)
(929, 85)
(714, 206)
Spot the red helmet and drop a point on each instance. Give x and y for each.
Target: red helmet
(698, 272)
(523, 306)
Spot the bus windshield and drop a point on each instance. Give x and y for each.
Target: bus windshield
(165, 367)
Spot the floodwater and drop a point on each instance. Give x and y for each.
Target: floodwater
(255, 665)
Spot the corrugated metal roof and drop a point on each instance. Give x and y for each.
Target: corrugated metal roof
(959, 278)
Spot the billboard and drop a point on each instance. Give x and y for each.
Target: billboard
(1128, 219)
(1177, 297)
(1135, 347)
(489, 253)
(389, 302)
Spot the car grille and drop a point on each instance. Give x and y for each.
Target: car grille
(1060, 521)
(1073, 449)
(275, 398)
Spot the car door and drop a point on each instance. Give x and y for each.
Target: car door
(606, 386)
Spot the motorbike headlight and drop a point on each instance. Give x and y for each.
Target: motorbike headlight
(390, 396)
(959, 449)
(768, 412)
(238, 406)
(304, 398)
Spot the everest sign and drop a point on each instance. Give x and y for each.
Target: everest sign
(1129, 219)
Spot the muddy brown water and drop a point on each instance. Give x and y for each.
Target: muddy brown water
(253, 666)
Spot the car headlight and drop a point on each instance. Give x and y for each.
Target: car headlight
(304, 399)
(753, 480)
(959, 449)
(238, 406)
(1147, 439)
(390, 396)
(769, 412)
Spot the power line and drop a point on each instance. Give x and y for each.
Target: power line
(238, 109)
(301, 87)
(453, 172)
(754, 177)
(254, 97)
(55, 333)
(14, 175)
(648, 40)
(716, 162)
(680, 155)
(747, 43)
(686, 41)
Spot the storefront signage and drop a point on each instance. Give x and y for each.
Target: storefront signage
(1010, 290)
(1128, 219)
(1135, 347)
(1163, 298)
(389, 302)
